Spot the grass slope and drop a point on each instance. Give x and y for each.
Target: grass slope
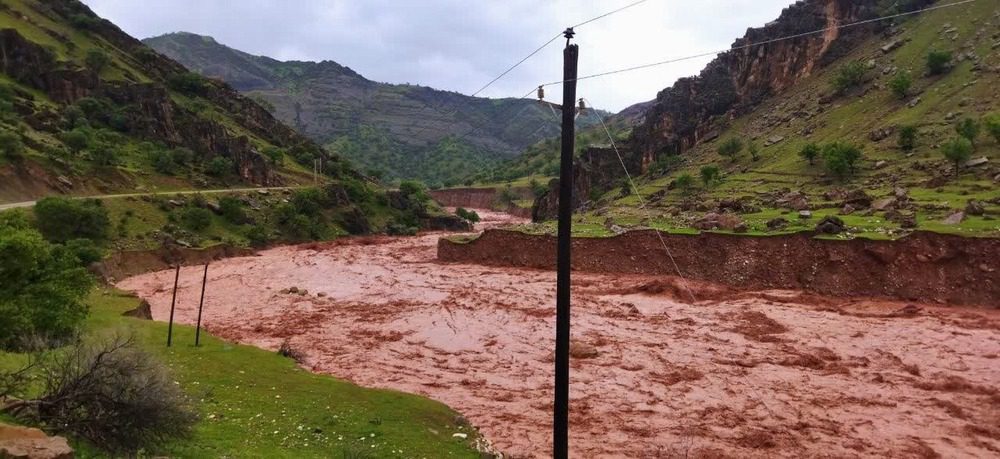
(255, 403)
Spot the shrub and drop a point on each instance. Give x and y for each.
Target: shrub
(537, 188)
(195, 218)
(958, 151)
(848, 76)
(907, 138)
(754, 151)
(104, 155)
(969, 129)
(468, 215)
(730, 148)
(684, 182)
(665, 164)
(401, 229)
(163, 162)
(62, 219)
(42, 288)
(900, 84)
(809, 152)
(992, 125)
(507, 196)
(189, 83)
(76, 140)
(258, 235)
(710, 175)
(11, 145)
(84, 250)
(232, 210)
(96, 60)
(841, 159)
(110, 393)
(275, 155)
(219, 167)
(182, 156)
(938, 62)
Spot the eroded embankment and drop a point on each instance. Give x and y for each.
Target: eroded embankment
(482, 198)
(922, 267)
(127, 263)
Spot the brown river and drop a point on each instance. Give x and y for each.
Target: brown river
(759, 374)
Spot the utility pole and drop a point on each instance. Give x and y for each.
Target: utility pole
(560, 424)
(201, 304)
(173, 302)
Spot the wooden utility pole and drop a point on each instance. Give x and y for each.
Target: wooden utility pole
(560, 444)
(201, 303)
(173, 302)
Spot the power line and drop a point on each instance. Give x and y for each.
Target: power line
(765, 42)
(609, 13)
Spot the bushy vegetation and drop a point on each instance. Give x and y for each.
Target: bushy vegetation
(468, 215)
(900, 84)
(96, 60)
(232, 210)
(62, 219)
(958, 151)
(992, 125)
(938, 62)
(710, 175)
(684, 182)
(219, 167)
(11, 146)
(189, 83)
(840, 159)
(907, 140)
(848, 76)
(754, 151)
(195, 218)
(809, 152)
(730, 148)
(42, 286)
(968, 128)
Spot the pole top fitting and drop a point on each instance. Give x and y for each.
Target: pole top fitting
(568, 33)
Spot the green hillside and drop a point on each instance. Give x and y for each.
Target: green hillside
(906, 189)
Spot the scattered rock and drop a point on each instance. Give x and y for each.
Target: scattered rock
(954, 218)
(741, 228)
(913, 102)
(891, 46)
(977, 162)
(144, 311)
(884, 204)
(805, 214)
(582, 351)
(65, 181)
(460, 435)
(28, 443)
(176, 202)
(777, 223)
(951, 115)
(974, 207)
(879, 134)
(773, 140)
(794, 200)
(830, 225)
(293, 290)
(880, 164)
(263, 192)
(847, 209)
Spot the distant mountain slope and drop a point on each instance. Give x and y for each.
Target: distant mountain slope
(87, 109)
(403, 131)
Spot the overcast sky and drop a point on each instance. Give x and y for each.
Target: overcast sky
(460, 45)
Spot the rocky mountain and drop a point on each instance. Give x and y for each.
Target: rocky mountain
(886, 126)
(88, 109)
(397, 130)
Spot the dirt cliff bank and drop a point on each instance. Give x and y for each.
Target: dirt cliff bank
(925, 267)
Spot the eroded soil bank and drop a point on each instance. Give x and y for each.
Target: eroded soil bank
(924, 266)
(654, 374)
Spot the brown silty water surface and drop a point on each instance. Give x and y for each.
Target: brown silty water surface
(654, 374)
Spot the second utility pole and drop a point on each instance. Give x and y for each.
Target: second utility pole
(560, 423)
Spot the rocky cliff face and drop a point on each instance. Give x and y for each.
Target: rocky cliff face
(596, 170)
(738, 80)
(145, 101)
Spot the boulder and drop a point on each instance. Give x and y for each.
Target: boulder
(977, 161)
(794, 200)
(884, 204)
(954, 218)
(28, 443)
(805, 214)
(975, 208)
(777, 223)
(830, 225)
(847, 209)
(857, 198)
(143, 311)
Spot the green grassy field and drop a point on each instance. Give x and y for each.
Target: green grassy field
(255, 403)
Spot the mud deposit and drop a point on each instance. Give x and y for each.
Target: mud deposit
(761, 374)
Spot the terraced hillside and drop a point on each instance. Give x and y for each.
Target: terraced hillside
(398, 131)
(86, 109)
(846, 100)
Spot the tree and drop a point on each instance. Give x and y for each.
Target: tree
(848, 76)
(196, 218)
(900, 84)
(232, 210)
(809, 152)
(11, 145)
(841, 158)
(730, 148)
(275, 155)
(938, 62)
(96, 60)
(61, 219)
(684, 182)
(992, 124)
(907, 137)
(710, 175)
(969, 129)
(468, 215)
(42, 288)
(182, 156)
(958, 151)
(104, 154)
(754, 151)
(76, 140)
(163, 162)
(219, 167)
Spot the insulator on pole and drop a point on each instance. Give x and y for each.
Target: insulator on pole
(541, 93)
(583, 107)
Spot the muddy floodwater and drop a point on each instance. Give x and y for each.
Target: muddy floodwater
(654, 373)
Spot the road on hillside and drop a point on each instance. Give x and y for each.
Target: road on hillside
(15, 205)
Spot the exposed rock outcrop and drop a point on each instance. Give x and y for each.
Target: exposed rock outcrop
(596, 169)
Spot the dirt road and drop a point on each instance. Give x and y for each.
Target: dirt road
(15, 205)
(767, 374)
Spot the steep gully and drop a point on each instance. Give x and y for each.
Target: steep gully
(772, 373)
